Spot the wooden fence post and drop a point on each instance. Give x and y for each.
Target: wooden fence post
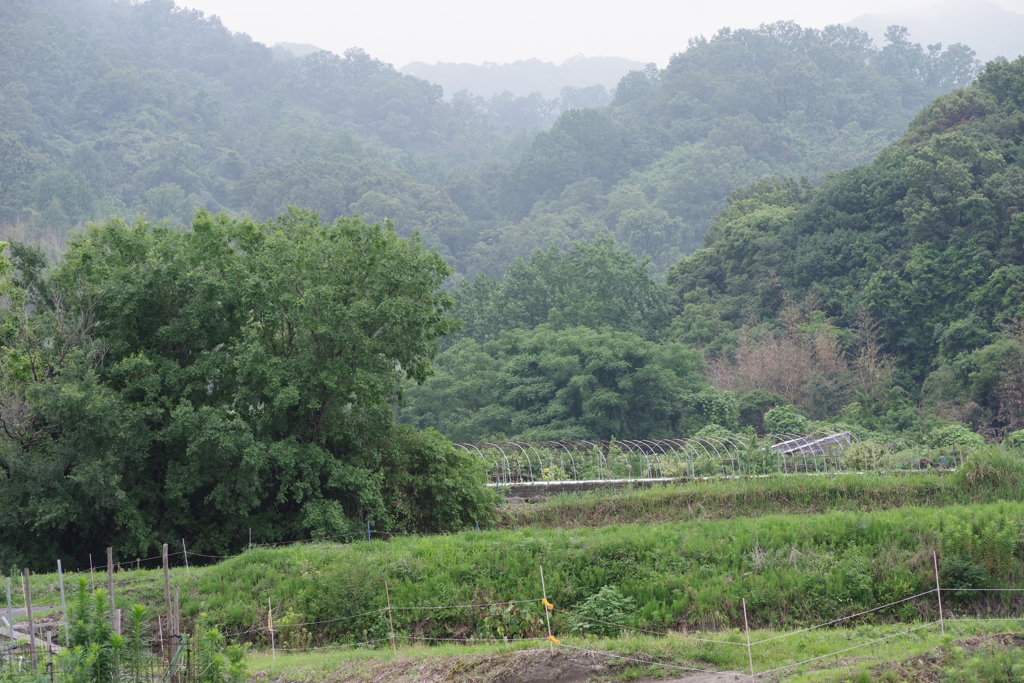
(31, 624)
(110, 581)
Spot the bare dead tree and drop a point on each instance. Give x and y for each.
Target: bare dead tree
(872, 367)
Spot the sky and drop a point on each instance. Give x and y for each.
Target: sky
(477, 31)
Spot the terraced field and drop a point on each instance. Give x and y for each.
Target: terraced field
(689, 579)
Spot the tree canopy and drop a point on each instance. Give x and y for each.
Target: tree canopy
(926, 239)
(117, 109)
(592, 284)
(573, 383)
(237, 375)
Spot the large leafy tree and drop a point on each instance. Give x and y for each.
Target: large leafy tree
(239, 375)
(592, 283)
(572, 383)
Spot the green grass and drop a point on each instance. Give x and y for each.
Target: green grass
(792, 570)
(323, 664)
(972, 656)
(730, 498)
(679, 650)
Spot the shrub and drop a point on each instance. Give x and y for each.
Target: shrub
(714, 406)
(1014, 440)
(430, 487)
(219, 663)
(963, 574)
(993, 469)
(755, 404)
(785, 420)
(553, 473)
(989, 542)
(954, 435)
(607, 605)
(906, 459)
(757, 457)
(712, 430)
(866, 456)
(509, 622)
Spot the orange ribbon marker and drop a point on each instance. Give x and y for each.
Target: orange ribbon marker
(554, 640)
(547, 604)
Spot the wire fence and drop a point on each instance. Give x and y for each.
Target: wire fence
(761, 653)
(523, 462)
(761, 657)
(39, 659)
(797, 453)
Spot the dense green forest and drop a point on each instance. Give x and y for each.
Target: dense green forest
(117, 108)
(784, 229)
(237, 376)
(887, 300)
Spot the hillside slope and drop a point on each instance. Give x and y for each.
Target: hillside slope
(927, 240)
(110, 108)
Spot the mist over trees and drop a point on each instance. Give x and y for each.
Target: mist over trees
(526, 76)
(992, 30)
(785, 228)
(111, 108)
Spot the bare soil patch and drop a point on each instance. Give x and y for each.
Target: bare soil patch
(527, 666)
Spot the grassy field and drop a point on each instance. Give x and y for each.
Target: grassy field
(799, 550)
(863, 655)
(755, 496)
(792, 570)
(727, 499)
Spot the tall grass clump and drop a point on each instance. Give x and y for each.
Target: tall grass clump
(992, 472)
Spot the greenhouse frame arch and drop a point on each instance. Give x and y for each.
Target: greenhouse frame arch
(515, 462)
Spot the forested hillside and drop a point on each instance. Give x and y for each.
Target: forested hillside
(887, 300)
(115, 108)
(926, 242)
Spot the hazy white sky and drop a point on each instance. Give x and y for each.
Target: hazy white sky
(475, 31)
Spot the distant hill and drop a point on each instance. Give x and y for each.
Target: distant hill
(525, 76)
(928, 239)
(989, 29)
(297, 50)
(116, 108)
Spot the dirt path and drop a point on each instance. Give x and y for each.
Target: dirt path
(526, 666)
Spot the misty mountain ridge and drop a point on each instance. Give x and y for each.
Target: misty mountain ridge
(991, 30)
(524, 76)
(116, 109)
(295, 50)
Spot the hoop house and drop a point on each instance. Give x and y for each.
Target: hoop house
(512, 462)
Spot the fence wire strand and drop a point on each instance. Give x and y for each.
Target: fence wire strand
(643, 661)
(482, 604)
(841, 619)
(643, 630)
(855, 647)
